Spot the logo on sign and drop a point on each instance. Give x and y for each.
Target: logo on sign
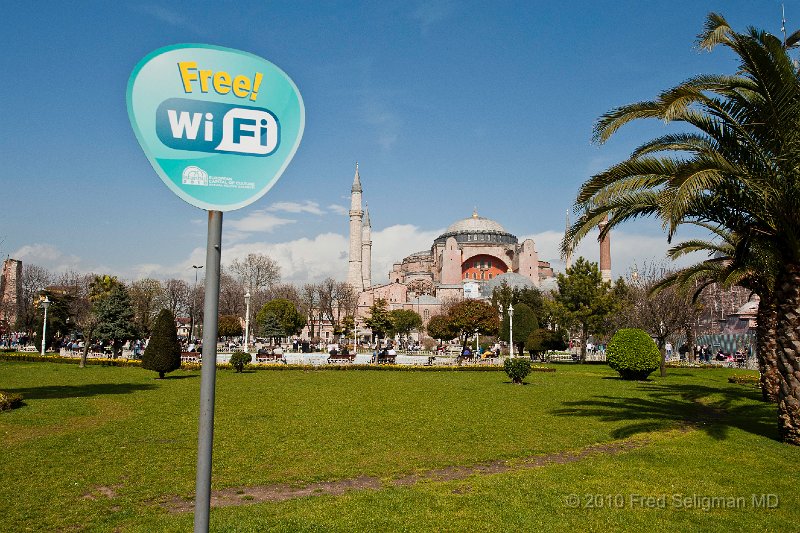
(213, 127)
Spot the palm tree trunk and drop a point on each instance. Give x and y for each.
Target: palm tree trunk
(766, 349)
(787, 297)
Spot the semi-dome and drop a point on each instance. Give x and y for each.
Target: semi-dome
(512, 279)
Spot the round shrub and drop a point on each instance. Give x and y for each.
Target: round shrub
(633, 354)
(517, 368)
(239, 359)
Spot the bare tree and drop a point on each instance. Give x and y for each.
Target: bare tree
(665, 314)
(176, 296)
(147, 297)
(34, 279)
(256, 271)
(231, 295)
(309, 298)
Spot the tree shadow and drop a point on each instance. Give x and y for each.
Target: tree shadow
(710, 409)
(79, 391)
(181, 376)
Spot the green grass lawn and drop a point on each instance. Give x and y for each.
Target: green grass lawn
(101, 448)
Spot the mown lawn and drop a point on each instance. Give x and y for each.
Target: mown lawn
(99, 448)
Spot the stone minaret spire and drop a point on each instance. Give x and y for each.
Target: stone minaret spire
(366, 249)
(605, 252)
(354, 276)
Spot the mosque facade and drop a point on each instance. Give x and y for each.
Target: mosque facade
(472, 257)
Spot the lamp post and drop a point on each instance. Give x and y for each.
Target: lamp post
(247, 322)
(194, 302)
(511, 330)
(45, 305)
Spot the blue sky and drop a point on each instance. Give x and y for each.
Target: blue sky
(447, 106)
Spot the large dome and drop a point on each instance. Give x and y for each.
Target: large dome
(477, 230)
(475, 223)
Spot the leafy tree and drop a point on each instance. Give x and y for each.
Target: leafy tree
(439, 328)
(633, 353)
(585, 300)
(737, 169)
(163, 352)
(378, 320)
(270, 326)
(229, 326)
(115, 319)
(468, 316)
(290, 320)
(404, 321)
(57, 317)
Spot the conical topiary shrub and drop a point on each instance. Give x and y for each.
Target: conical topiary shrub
(163, 352)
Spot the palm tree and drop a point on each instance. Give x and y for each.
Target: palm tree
(725, 269)
(737, 170)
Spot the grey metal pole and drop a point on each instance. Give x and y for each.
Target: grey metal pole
(208, 375)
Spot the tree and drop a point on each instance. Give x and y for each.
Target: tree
(404, 321)
(737, 169)
(290, 320)
(585, 300)
(525, 324)
(269, 326)
(256, 274)
(146, 298)
(176, 296)
(378, 320)
(115, 319)
(34, 280)
(439, 328)
(229, 326)
(469, 316)
(663, 311)
(163, 352)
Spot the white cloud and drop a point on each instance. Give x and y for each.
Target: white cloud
(295, 207)
(392, 244)
(627, 250)
(338, 209)
(257, 222)
(47, 256)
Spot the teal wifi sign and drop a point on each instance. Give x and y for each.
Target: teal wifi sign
(218, 125)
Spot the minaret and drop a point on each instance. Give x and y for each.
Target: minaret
(605, 252)
(354, 275)
(366, 250)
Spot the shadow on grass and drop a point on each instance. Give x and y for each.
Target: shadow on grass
(710, 409)
(180, 376)
(79, 391)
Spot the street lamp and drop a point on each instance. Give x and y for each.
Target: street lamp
(510, 330)
(194, 301)
(45, 305)
(247, 322)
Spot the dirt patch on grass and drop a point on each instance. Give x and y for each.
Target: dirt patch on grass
(282, 492)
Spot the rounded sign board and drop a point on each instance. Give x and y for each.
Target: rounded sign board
(218, 125)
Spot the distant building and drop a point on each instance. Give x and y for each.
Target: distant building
(470, 258)
(10, 293)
